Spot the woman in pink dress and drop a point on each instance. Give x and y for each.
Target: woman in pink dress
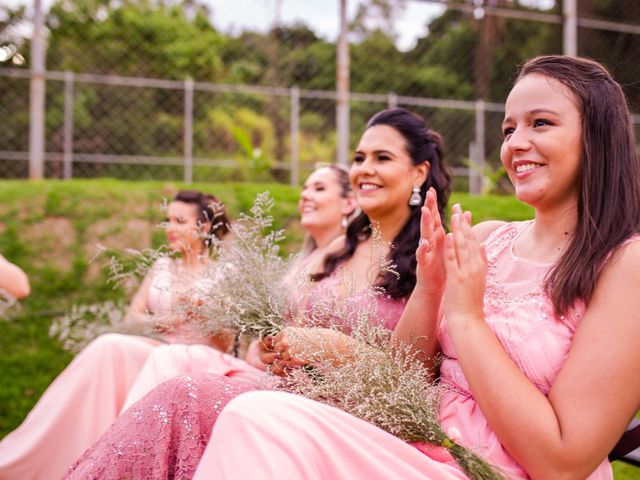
(325, 205)
(540, 325)
(397, 161)
(91, 392)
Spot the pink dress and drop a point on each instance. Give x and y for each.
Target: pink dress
(165, 433)
(306, 439)
(91, 392)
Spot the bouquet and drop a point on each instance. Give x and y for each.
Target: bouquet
(83, 323)
(382, 380)
(250, 295)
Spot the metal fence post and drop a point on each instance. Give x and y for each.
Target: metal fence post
(570, 27)
(295, 136)
(472, 172)
(342, 88)
(392, 101)
(477, 160)
(188, 130)
(67, 156)
(37, 95)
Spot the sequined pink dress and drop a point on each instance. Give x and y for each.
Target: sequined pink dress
(305, 439)
(112, 371)
(165, 433)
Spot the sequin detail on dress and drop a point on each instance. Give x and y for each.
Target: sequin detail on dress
(163, 435)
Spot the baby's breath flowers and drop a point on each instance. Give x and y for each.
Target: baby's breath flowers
(83, 323)
(8, 304)
(239, 290)
(250, 294)
(130, 266)
(382, 381)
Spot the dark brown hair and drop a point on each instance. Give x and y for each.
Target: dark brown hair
(423, 145)
(210, 210)
(608, 179)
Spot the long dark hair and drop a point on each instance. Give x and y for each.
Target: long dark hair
(609, 176)
(210, 210)
(423, 145)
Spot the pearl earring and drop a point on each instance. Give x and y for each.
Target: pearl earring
(345, 221)
(415, 199)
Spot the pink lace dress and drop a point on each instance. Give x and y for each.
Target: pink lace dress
(165, 433)
(306, 439)
(110, 372)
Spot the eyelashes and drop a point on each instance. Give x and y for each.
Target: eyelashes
(538, 122)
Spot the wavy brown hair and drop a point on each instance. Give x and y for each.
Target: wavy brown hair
(608, 179)
(210, 210)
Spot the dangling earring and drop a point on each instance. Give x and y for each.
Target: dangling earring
(345, 222)
(415, 199)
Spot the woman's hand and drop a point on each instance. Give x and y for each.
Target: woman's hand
(430, 271)
(466, 271)
(294, 347)
(254, 354)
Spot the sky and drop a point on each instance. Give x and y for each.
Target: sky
(322, 16)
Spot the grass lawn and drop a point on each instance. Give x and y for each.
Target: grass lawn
(51, 229)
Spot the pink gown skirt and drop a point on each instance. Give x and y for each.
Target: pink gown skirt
(307, 439)
(268, 434)
(163, 435)
(75, 410)
(168, 361)
(102, 381)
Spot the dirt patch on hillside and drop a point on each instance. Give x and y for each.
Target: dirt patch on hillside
(114, 234)
(53, 241)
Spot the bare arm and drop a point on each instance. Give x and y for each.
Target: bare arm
(569, 432)
(13, 280)
(137, 313)
(421, 316)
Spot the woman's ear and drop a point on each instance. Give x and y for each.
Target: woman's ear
(349, 205)
(204, 227)
(422, 172)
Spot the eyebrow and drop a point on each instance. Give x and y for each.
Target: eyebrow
(378, 152)
(314, 184)
(535, 111)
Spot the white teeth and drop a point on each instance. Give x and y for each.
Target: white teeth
(368, 186)
(527, 167)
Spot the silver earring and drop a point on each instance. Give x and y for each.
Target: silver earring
(345, 221)
(415, 199)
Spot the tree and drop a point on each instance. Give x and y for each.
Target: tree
(138, 38)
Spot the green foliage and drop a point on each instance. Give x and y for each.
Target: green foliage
(125, 31)
(491, 176)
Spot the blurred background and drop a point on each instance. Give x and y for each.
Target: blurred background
(260, 90)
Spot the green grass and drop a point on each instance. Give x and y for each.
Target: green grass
(51, 228)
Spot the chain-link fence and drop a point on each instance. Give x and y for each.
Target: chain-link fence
(211, 90)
